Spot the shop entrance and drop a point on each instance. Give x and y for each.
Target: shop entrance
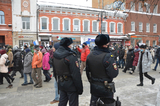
(2, 41)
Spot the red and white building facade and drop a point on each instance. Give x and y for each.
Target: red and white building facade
(80, 23)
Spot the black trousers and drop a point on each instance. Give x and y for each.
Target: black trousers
(1, 78)
(93, 100)
(14, 73)
(6, 77)
(72, 97)
(145, 74)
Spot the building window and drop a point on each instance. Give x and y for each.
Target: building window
(76, 25)
(112, 27)
(154, 43)
(155, 10)
(148, 8)
(120, 28)
(2, 18)
(66, 24)
(147, 27)
(86, 26)
(147, 42)
(94, 26)
(140, 8)
(140, 26)
(132, 6)
(55, 24)
(25, 22)
(154, 28)
(104, 26)
(44, 23)
(132, 26)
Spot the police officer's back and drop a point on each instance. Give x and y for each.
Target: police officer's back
(101, 69)
(67, 72)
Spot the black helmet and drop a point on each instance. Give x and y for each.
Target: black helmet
(106, 102)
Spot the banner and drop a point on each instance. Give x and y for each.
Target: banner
(127, 43)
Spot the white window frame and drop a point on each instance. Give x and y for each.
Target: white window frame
(114, 27)
(58, 23)
(133, 26)
(132, 6)
(3, 15)
(139, 27)
(69, 23)
(148, 28)
(26, 24)
(140, 8)
(41, 23)
(149, 42)
(88, 24)
(155, 42)
(155, 9)
(153, 28)
(79, 23)
(148, 7)
(97, 25)
(121, 29)
(106, 25)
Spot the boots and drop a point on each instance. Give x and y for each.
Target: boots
(9, 86)
(141, 84)
(153, 80)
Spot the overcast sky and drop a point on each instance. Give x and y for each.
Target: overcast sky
(87, 3)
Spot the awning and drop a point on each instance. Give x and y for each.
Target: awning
(118, 37)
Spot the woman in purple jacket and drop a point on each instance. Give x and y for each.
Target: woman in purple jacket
(46, 65)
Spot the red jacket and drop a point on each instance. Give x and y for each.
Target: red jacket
(136, 57)
(84, 53)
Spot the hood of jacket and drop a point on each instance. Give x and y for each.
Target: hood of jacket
(62, 52)
(5, 56)
(29, 53)
(47, 54)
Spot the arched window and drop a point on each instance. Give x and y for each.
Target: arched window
(2, 19)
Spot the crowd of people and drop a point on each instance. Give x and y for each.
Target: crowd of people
(67, 72)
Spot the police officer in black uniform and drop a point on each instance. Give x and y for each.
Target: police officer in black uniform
(101, 69)
(67, 73)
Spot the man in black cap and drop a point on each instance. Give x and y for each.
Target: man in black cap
(67, 73)
(84, 53)
(101, 69)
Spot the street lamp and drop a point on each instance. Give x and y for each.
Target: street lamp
(102, 18)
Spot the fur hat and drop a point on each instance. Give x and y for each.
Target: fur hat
(136, 47)
(66, 41)
(142, 45)
(102, 39)
(36, 47)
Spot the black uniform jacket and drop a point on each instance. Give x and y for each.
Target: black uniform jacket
(75, 83)
(108, 68)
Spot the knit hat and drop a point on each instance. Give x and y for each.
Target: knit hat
(102, 39)
(3, 51)
(85, 43)
(27, 50)
(9, 47)
(50, 46)
(66, 42)
(56, 45)
(136, 47)
(31, 45)
(36, 47)
(15, 47)
(44, 50)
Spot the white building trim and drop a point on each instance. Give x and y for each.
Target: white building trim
(41, 23)
(69, 23)
(58, 22)
(79, 23)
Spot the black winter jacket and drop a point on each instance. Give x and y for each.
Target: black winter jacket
(17, 60)
(70, 58)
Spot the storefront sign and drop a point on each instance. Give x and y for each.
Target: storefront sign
(127, 43)
(117, 40)
(91, 40)
(25, 36)
(59, 38)
(136, 38)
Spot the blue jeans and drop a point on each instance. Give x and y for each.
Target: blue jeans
(25, 78)
(121, 61)
(156, 64)
(56, 90)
